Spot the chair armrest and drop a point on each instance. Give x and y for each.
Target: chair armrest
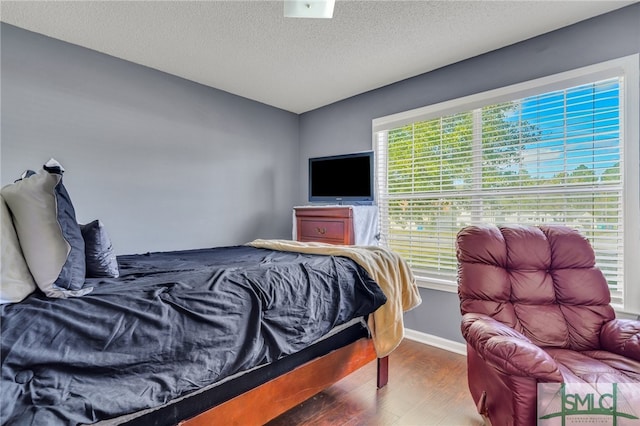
(622, 337)
(507, 350)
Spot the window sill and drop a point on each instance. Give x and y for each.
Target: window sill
(437, 284)
(449, 286)
(627, 315)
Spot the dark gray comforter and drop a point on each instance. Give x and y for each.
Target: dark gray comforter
(172, 323)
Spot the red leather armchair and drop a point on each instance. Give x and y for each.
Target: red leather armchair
(536, 309)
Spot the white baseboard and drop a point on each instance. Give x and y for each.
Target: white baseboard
(438, 342)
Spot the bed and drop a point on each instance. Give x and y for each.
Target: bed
(174, 323)
(224, 335)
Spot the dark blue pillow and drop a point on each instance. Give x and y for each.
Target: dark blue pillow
(99, 255)
(71, 277)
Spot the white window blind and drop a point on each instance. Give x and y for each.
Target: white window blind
(551, 157)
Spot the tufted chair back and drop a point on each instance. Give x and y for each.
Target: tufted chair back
(534, 279)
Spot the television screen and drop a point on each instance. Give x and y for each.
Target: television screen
(342, 178)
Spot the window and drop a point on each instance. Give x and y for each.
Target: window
(559, 150)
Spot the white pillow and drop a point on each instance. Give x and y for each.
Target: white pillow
(49, 235)
(16, 281)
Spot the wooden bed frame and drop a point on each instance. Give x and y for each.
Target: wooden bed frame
(282, 393)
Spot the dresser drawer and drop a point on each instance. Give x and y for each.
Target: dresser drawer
(318, 230)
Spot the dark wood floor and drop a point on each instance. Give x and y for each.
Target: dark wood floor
(427, 386)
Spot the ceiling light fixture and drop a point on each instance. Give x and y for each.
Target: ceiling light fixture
(308, 8)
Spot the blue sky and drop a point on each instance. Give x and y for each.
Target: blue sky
(588, 133)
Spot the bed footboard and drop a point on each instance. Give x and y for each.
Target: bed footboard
(267, 401)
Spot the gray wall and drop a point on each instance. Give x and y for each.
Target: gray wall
(164, 162)
(346, 126)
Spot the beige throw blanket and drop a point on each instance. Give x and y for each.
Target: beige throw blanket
(387, 268)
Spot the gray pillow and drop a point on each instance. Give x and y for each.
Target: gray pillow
(100, 259)
(17, 282)
(49, 235)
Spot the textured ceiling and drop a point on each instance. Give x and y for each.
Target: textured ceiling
(248, 48)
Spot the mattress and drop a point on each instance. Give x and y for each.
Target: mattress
(173, 323)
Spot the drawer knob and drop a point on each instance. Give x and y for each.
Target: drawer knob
(321, 231)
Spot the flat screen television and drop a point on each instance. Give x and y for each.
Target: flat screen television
(342, 179)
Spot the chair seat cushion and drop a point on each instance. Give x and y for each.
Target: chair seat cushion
(595, 366)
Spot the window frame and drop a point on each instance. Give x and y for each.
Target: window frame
(628, 68)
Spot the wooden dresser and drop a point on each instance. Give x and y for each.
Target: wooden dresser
(332, 225)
